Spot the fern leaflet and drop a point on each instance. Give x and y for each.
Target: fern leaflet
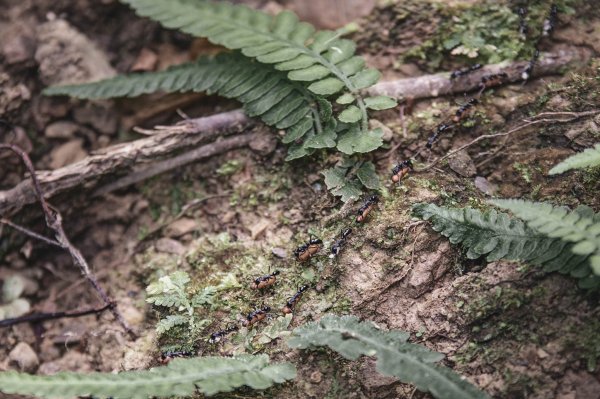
(264, 92)
(498, 236)
(581, 226)
(588, 158)
(182, 377)
(395, 356)
(321, 60)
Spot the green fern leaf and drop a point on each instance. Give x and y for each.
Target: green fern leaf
(264, 92)
(395, 356)
(498, 236)
(588, 158)
(581, 226)
(182, 377)
(322, 60)
(169, 322)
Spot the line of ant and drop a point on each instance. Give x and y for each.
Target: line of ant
(309, 249)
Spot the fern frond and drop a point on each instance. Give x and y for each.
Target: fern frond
(395, 356)
(498, 236)
(169, 322)
(581, 226)
(265, 93)
(588, 158)
(182, 377)
(321, 60)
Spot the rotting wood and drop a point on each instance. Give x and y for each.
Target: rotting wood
(116, 162)
(121, 159)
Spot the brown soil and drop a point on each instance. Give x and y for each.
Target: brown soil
(510, 329)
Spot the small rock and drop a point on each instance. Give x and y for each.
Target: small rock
(228, 216)
(170, 246)
(264, 144)
(146, 61)
(462, 164)
(13, 287)
(98, 115)
(67, 153)
(387, 132)
(61, 130)
(19, 45)
(24, 357)
(485, 186)
(279, 252)
(542, 354)
(66, 56)
(316, 377)
(259, 228)
(181, 227)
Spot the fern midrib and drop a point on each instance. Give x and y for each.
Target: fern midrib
(304, 50)
(418, 365)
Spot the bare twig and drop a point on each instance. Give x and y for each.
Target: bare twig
(29, 233)
(39, 317)
(121, 159)
(54, 222)
(528, 122)
(440, 84)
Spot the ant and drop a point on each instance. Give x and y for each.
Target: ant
(364, 210)
(492, 80)
(526, 74)
(523, 29)
(293, 301)
(167, 356)
(339, 244)
(306, 251)
(464, 71)
(442, 127)
(464, 110)
(401, 170)
(264, 281)
(550, 22)
(219, 335)
(256, 316)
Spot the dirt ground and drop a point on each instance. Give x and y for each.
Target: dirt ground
(509, 328)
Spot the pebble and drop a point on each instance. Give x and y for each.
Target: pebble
(462, 164)
(24, 357)
(67, 153)
(61, 130)
(181, 227)
(485, 186)
(170, 246)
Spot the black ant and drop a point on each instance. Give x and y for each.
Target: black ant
(265, 281)
(550, 22)
(526, 74)
(442, 127)
(401, 170)
(305, 251)
(256, 316)
(167, 356)
(364, 210)
(340, 243)
(492, 80)
(464, 71)
(219, 335)
(523, 29)
(291, 303)
(464, 110)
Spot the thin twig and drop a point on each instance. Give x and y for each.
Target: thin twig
(528, 123)
(30, 233)
(54, 222)
(39, 317)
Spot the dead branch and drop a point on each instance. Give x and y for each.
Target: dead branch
(40, 317)
(132, 162)
(440, 84)
(121, 159)
(54, 222)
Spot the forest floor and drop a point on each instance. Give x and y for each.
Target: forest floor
(510, 329)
